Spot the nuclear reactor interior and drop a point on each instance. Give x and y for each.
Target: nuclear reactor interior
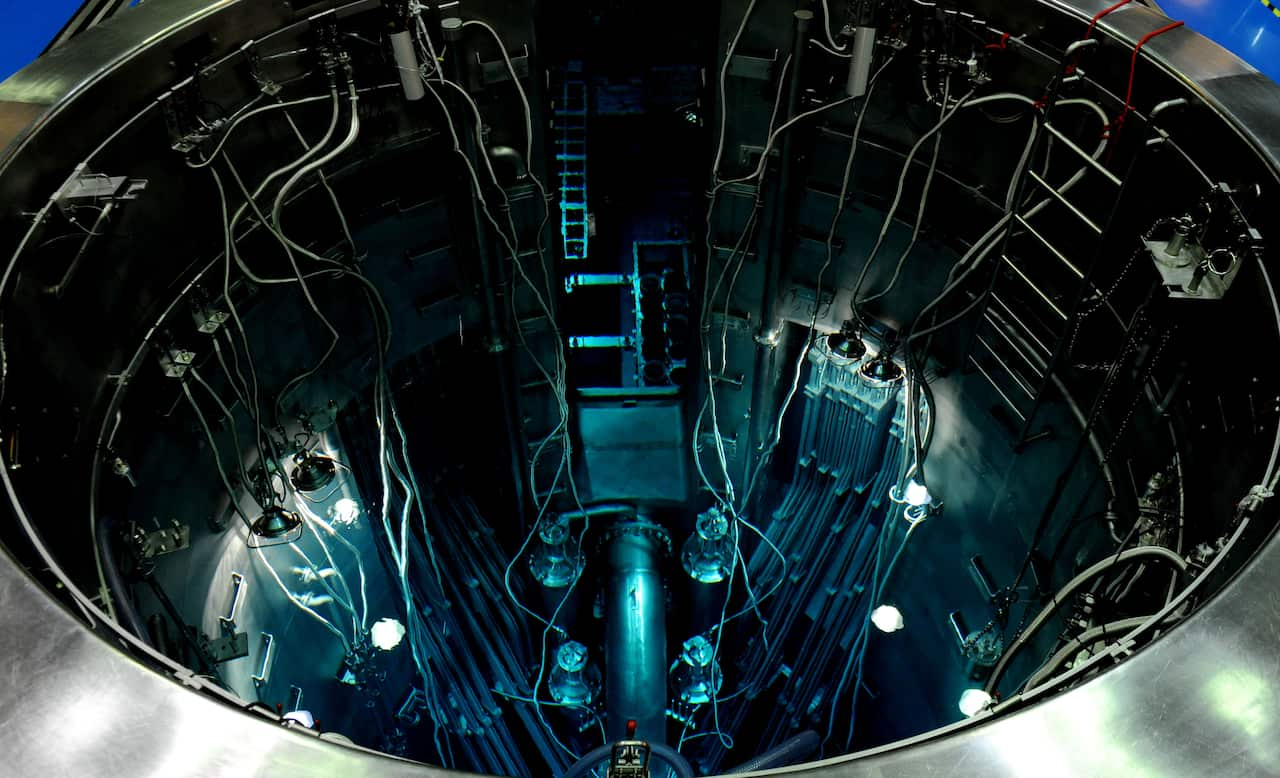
(487, 382)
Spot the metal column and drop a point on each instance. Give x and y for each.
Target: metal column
(636, 636)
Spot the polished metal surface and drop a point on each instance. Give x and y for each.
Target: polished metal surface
(636, 637)
(1205, 700)
(72, 704)
(1202, 700)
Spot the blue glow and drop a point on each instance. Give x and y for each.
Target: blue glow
(1247, 28)
(28, 28)
(571, 154)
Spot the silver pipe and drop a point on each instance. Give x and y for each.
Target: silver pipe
(636, 637)
(863, 52)
(407, 63)
(1069, 589)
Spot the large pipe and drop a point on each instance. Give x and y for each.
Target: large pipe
(777, 248)
(636, 637)
(491, 277)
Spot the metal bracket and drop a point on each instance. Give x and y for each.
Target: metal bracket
(409, 713)
(85, 186)
(166, 541)
(740, 324)
(576, 280)
(982, 576)
(175, 362)
(495, 72)
(180, 106)
(264, 669)
(707, 440)
(958, 628)
(228, 622)
(227, 647)
(757, 68)
(208, 319)
(1186, 273)
(602, 341)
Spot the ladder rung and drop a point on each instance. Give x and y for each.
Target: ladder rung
(1052, 248)
(1013, 317)
(1088, 158)
(1016, 378)
(994, 325)
(999, 391)
(1062, 199)
(1062, 314)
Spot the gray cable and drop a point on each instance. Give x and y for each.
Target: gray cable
(1159, 552)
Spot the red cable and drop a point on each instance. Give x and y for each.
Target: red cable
(1094, 23)
(1133, 67)
(1098, 16)
(1003, 44)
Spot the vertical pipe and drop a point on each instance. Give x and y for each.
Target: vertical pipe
(636, 634)
(862, 53)
(778, 247)
(490, 274)
(407, 63)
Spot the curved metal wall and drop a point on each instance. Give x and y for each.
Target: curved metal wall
(1209, 676)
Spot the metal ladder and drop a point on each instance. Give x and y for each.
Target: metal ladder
(1021, 338)
(571, 157)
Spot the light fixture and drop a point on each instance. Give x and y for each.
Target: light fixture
(847, 344)
(555, 562)
(887, 618)
(917, 499)
(313, 472)
(386, 634)
(881, 371)
(573, 681)
(345, 512)
(708, 553)
(695, 675)
(274, 527)
(974, 701)
(916, 494)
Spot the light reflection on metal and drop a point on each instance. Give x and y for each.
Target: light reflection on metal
(261, 678)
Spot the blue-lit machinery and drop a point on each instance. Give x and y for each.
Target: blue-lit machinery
(638, 389)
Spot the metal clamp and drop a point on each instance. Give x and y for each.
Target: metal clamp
(237, 588)
(264, 671)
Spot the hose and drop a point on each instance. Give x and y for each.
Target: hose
(1078, 642)
(116, 585)
(592, 759)
(1089, 573)
(790, 751)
